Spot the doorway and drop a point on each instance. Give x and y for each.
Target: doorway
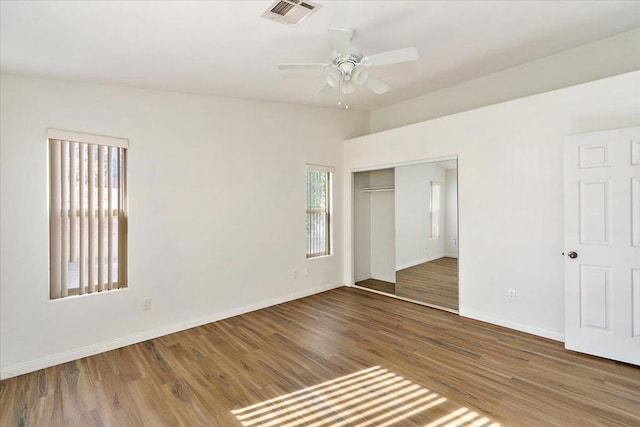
(406, 232)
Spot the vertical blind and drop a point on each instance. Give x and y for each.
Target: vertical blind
(318, 226)
(88, 213)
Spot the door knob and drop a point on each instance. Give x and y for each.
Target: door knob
(573, 254)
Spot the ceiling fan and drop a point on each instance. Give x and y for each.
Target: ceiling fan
(349, 67)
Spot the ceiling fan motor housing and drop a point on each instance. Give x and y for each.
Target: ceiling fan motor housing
(347, 68)
(355, 56)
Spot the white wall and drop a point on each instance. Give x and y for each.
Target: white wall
(414, 244)
(383, 262)
(607, 57)
(451, 213)
(198, 168)
(510, 163)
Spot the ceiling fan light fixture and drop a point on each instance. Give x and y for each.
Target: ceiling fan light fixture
(346, 67)
(359, 76)
(333, 78)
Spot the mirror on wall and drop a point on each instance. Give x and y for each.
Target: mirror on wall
(406, 232)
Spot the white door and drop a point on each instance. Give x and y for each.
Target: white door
(602, 244)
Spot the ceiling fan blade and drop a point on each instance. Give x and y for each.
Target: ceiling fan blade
(391, 57)
(323, 91)
(376, 85)
(308, 66)
(341, 40)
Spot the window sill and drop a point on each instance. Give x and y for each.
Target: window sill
(76, 295)
(319, 257)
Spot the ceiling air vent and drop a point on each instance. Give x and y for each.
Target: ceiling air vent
(290, 12)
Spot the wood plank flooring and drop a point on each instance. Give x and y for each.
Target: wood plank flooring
(434, 282)
(345, 357)
(378, 285)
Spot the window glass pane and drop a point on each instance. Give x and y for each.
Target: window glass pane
(318, 212)
(87, 218)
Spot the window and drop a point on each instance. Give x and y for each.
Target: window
(434, 209)
(87, 213)
(318, 210)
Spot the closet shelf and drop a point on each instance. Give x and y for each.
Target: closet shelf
(377, 189)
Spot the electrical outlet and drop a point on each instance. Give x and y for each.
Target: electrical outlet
(294, 274)
(511, 294)
(146, 304)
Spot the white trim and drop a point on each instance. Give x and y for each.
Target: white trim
(319, 168)
(65, 135)
(408, 163)
(320, 257)
(556, 336)
(90, 350)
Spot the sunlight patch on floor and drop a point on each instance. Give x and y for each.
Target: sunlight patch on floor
(463, 417)
(371, 397)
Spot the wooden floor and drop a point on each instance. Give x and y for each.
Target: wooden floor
(378, 285)
(341, 358)
(434, 282)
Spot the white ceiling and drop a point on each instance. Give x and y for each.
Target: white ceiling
(225, 48)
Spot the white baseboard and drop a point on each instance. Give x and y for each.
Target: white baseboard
(418, 262)
(90, 350)
(556, 336)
